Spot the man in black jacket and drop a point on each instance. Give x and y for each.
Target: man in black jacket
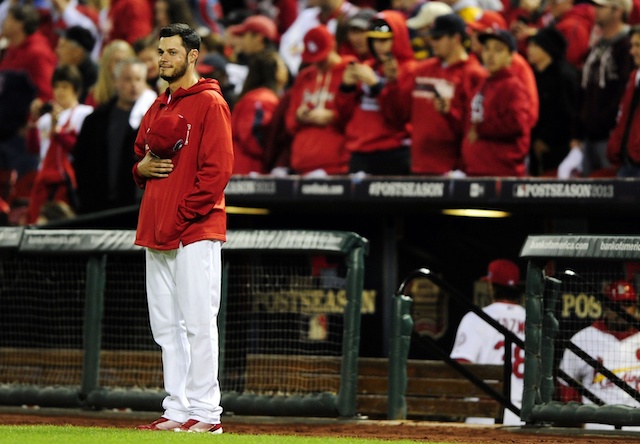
(103, 156)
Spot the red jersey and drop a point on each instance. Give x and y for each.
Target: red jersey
(250, 119)
(318, 147)
(188, 206)
(500, 113)
(436, 137)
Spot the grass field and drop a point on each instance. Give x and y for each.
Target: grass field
(94, 435)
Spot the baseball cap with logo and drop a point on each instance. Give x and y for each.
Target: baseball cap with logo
(379, 29)
(621, 291)
(503, 272)
(258, 24)
(318, 43)
(167, 135)
(427, 14)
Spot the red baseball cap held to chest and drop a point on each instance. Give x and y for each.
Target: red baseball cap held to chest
(167, 135)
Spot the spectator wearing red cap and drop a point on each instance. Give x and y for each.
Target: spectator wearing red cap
(377, 146)
(258, 33)
(497, 141)
(479, 343)
(435, 98)
(254, 110)
(313, 118)
(612, 341)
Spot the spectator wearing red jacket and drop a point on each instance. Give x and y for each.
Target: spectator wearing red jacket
(252, 114)
(575, 23)
(313, 118)
(28, 50)
(491, 21)
(623, 149)
(497, 142)
(435, 98)
(377, 146)
(128, 20)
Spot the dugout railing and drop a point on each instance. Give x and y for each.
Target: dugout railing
(552, 288)
(74, 329)
(403, 334)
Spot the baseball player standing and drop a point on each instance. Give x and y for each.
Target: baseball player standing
(614, 343)
(184, 143)
(476, 342)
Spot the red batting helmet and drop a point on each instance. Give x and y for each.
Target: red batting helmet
(167, 135)
(621, 291)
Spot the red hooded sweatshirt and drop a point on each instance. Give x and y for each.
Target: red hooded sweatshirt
(368, 130)
(188, 206)
(500, 112)
(436, 137)
(576, 26)
(318, 147)
(250, 120)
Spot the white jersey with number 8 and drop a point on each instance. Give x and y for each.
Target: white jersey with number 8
(479, 343)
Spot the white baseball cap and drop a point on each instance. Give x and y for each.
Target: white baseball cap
(428, 13)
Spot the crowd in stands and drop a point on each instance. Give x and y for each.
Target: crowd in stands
(320, 87)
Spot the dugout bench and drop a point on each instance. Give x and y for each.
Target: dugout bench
(434, 390)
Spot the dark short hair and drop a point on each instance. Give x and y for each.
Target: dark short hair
(635, 29)
(190, 38)
(28, 16)
(67, 73)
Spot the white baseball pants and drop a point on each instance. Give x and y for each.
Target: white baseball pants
(183, 294)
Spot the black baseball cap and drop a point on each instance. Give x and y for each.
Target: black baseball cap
(448, 24)
(81, 36)
(499, 34)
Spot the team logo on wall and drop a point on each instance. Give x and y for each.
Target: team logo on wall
(430, 308)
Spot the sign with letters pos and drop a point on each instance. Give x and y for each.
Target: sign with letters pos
(430, 308)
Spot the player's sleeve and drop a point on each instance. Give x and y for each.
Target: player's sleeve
(468, 341)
